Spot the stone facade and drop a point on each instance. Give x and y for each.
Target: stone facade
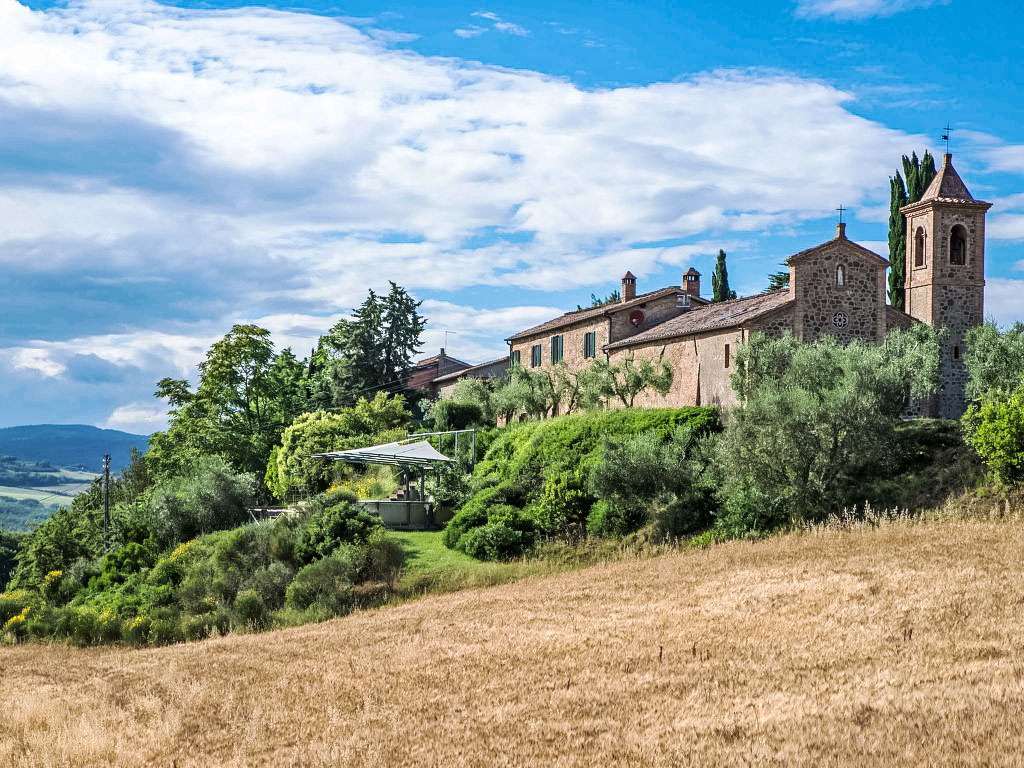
(610, 323)
(572, 343)
(839, 289)
(945, 275)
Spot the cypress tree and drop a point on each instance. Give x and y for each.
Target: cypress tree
(897, 241)
(720, 281)
(918, 175)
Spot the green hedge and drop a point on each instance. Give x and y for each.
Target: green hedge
(542, 470)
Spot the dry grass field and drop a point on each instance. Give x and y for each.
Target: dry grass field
(902, 645)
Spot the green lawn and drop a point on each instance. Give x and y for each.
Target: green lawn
(425, 553)
(431, 568)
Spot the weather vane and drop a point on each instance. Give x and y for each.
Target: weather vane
(841, 209)
(945, 137)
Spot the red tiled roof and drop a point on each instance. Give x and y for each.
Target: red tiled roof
(711, 317)
(947, 187)
(582, 315)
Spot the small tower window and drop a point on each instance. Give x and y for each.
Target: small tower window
(956, 353)
(726, 355)
(919, 247)
(840, 275)
(958, 246)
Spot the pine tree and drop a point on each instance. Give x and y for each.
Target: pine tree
(918, 175)
(371, 352)
(720, 281)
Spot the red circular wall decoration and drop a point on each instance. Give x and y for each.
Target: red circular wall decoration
(636, 317)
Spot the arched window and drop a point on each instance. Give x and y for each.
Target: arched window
(958, 246)
(919, 247)
(840, 275)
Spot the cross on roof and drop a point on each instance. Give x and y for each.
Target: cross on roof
(841, 209)
(945, 137)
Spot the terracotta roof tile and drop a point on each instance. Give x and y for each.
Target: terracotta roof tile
(712, 317)
(582, 315)
(947, 186)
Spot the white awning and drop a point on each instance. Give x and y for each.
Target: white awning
(407, 454)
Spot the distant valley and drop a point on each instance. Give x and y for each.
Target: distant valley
(44, 466)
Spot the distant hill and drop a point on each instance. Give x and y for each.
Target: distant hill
(70, 445)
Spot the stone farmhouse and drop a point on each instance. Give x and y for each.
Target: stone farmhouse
(837, 288)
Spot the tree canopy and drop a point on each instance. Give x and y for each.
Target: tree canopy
(812, 419)
(371, 352)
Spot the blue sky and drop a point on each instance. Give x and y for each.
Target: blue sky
(169, 170)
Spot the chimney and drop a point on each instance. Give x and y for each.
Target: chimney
(841, 231)
(691, 282)
(628, 286)
(442, 362)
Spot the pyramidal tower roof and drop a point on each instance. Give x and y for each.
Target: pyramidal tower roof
(947, 186)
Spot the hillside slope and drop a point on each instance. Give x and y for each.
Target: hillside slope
(69, 445)
(896, 645)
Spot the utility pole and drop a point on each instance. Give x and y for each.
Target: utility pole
(106, 503)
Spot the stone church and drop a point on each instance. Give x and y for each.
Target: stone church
(836, 288)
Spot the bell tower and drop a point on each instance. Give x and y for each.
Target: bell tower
(945, 274)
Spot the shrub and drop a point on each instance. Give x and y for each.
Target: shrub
(14, 602)
(196, 627)
(135, 631)
(495, 541)
(269, 582)
(449, 415)
(250, 610)
(543, 467)
(283, 534)
(236, 556)
(17, 625)
(211, 497)
(325, 584)
(384, 558)
(565, 502)
(343, 523)
(655, 478)
(995, 429)
(506, 534)
(616, 517)
(165, 627)
(472, 515)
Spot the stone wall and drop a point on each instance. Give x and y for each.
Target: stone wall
(948, 296)
(681, 355)
(700, 375)
(655, 312)
(854, 310)
(572, 343)
(774, 323)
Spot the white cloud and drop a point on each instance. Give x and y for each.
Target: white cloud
(498, 24)
(140, 418)
(468, 32)
(860, 9)
(1002, 300)
(194, 167)
(38, 360)
(881, 247)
